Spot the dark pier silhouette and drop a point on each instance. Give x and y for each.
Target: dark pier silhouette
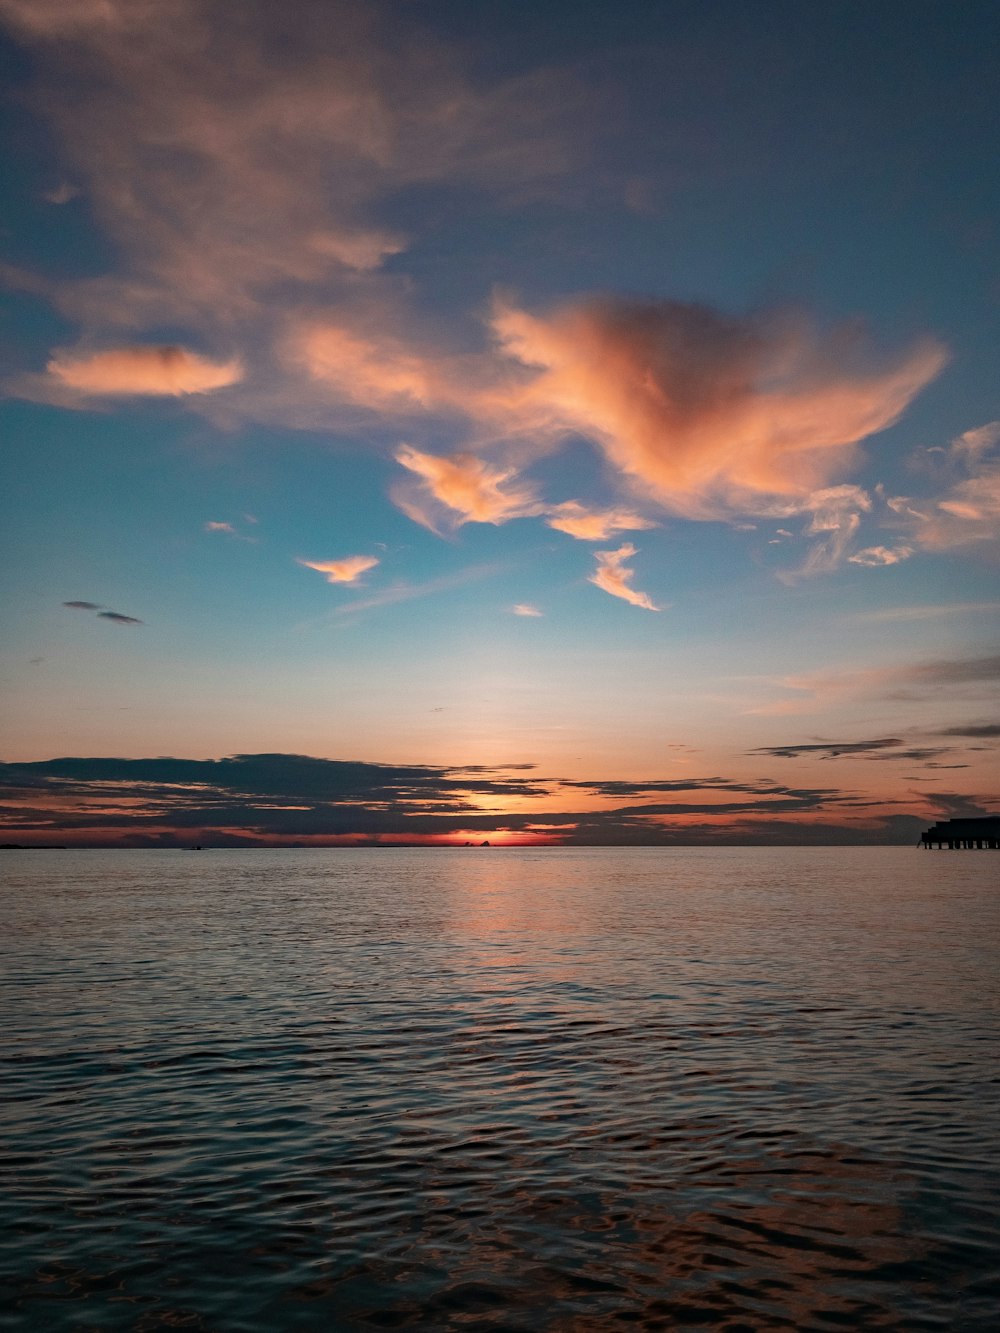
(963, 834)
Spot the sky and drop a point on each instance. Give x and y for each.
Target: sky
(543, 424)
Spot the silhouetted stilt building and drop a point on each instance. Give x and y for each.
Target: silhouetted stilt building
(961, 834)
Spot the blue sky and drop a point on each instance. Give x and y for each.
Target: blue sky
(629, 371)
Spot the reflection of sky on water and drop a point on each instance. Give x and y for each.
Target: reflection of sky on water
(501, 1090)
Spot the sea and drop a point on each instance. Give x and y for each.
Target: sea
(501, 1089)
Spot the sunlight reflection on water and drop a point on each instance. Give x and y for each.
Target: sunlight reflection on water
(569, 1090)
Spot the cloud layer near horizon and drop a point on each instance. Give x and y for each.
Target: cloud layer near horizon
(277, 798)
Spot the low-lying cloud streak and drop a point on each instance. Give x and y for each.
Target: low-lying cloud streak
(958, 677)
(116, 617)
(280, 798)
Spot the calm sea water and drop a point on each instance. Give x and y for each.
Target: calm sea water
(498, 1089)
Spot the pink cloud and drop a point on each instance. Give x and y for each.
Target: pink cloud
(709, 414)
(465, 488)
(593, 525)
(524, 609)
(346, 570)
(142, 371)
(613, 576)
(380, 374)
(225, 175)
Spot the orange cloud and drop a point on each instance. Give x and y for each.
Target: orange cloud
(381, 375)
(524, 609)
(468, 489)
(135, 371)
(593, 525)
(709, 414)
(347, 570)
(612, 575)
(225, 175)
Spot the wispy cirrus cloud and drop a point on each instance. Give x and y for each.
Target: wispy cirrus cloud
(402, 591)
(927, 611)
(524, 609)
(613, 576)
(967, 511)
(955, 671)
(960, 678)
(834, 521)
(348, 569)
(228, 178)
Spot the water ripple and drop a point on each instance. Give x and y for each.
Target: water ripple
(457, 1090)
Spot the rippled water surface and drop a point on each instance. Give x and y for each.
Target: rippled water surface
(501, 1089)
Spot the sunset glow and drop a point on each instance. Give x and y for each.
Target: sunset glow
(538, 428)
